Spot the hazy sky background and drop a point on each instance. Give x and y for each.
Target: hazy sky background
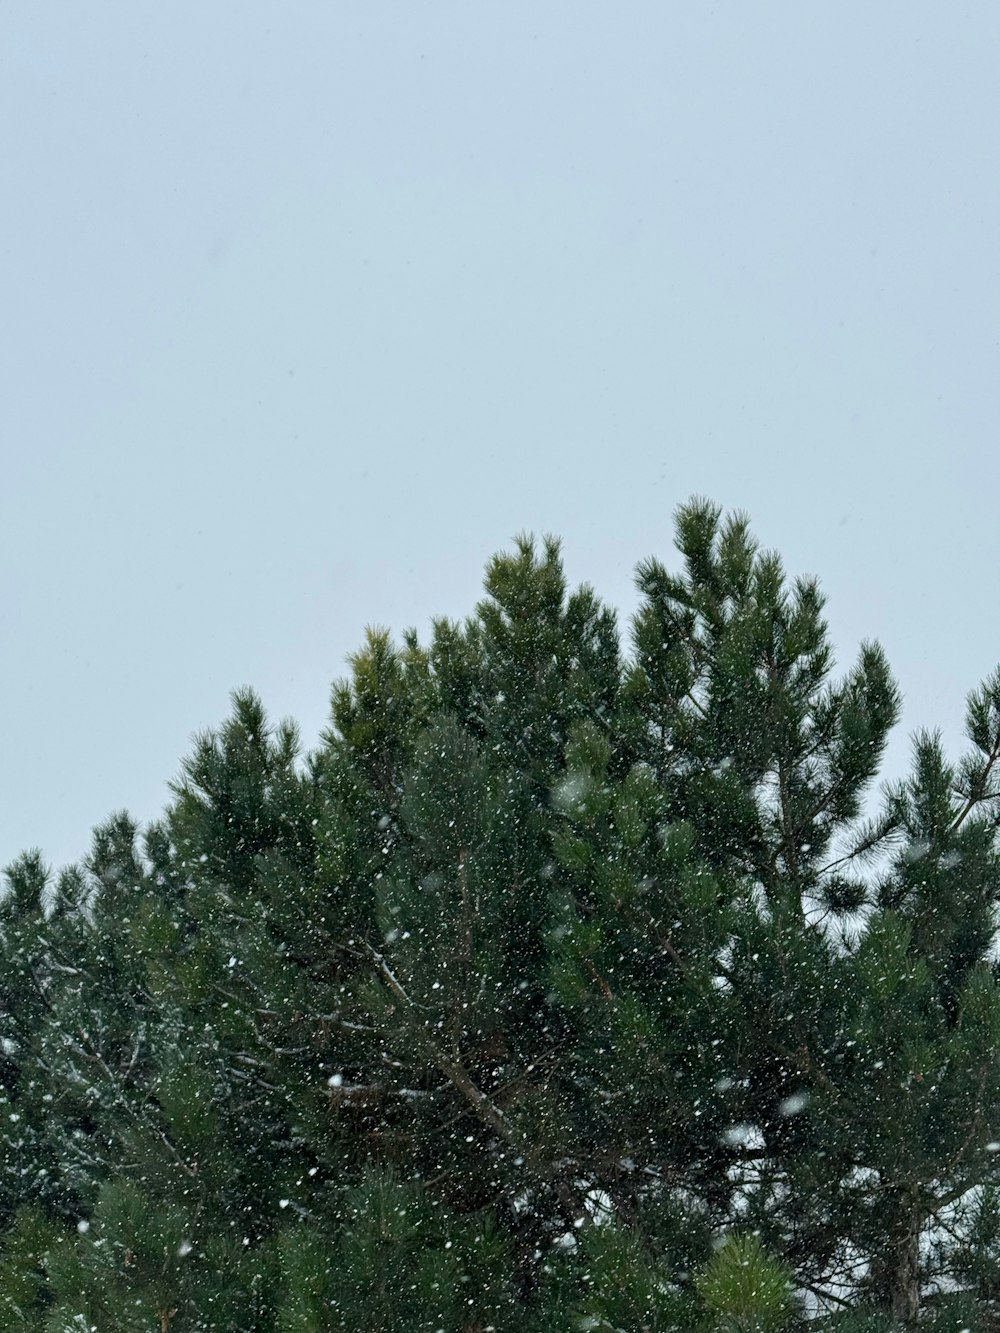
(310, 307)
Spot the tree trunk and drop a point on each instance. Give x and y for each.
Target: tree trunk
(897, 1269)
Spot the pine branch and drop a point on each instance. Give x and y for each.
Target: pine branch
(974, 800)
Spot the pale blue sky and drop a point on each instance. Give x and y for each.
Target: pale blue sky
(309, 307)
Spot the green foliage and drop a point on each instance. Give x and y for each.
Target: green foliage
(24, 1287)
(744, 1290)
(612, 1281)
(546, 971)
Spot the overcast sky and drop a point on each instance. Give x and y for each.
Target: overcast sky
(310, 307)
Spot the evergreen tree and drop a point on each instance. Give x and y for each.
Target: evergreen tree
(558, 988)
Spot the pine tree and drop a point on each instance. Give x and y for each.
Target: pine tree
(558, 988)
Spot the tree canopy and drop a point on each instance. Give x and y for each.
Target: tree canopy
(564, 985)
